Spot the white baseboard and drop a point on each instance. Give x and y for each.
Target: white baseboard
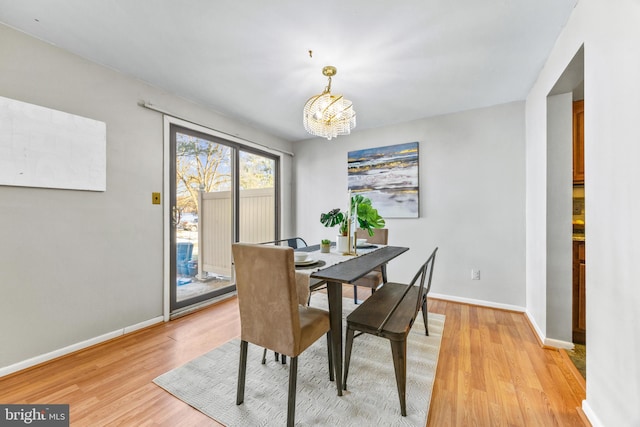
(482, 303)
(536, 328)
(549, 342)
(558, 344)
(546, 341)
(591, 416)
(75, 347)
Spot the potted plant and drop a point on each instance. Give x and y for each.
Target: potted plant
(366, 215)
(325, 246)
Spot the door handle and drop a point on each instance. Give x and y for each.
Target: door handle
(175, 216)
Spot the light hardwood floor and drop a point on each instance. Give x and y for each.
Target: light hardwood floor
(491, 372)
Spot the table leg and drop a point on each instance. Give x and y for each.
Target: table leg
(334, 292)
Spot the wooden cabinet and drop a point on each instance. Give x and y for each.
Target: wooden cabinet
(578, 142)
(579, 296)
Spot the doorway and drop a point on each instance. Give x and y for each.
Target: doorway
(578, 354)
(565, 197)
(220, 192)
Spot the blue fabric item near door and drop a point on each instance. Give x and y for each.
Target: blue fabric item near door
(183, 256)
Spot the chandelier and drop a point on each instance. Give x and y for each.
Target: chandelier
(328, 115)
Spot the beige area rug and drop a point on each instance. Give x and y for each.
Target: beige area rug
(208, 383)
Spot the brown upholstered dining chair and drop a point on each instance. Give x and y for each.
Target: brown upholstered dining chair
(390, 313)
(304, 295)
(377, 277)
(270, 315)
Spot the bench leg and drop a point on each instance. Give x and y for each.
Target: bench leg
(399, 351)
(424, 316)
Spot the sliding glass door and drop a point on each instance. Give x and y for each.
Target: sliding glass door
(222, 192)
(257, 207)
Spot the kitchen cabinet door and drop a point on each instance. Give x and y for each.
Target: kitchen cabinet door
(579, 295)
(578, 142)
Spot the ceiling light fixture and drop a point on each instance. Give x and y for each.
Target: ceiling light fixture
(328, 115)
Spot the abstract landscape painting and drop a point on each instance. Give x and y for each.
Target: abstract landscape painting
(388, 176)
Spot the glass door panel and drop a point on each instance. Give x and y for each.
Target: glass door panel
(202, 218)
(257, 207)
(222, 192)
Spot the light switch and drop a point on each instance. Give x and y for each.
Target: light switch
(155, 198)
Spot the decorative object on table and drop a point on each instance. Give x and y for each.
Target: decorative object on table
(325, 246)
(328, 115)
(388, 176)
(359, 214)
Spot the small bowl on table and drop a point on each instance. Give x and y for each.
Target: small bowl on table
(361, 242)
(300, 256)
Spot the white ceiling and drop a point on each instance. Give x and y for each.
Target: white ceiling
(248, 59)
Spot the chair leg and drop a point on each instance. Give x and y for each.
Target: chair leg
(347, 355)
(330, 356)
(283, 359)
(425, 316)
(399, 351)
(242, 372)
(291, 405)
(264, 356)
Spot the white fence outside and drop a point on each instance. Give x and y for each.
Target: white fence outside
(215, 226)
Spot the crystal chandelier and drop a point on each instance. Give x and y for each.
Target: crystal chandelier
(328, 115)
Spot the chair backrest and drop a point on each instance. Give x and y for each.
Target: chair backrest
(292, 242)
(267, 296)
(380, 235)
(425, 271)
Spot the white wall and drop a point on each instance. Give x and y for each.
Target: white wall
(609, 32)
(471, 199)
(559, 228)
(76, 265)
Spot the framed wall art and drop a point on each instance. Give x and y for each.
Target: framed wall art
(46, 148)
(388, 176)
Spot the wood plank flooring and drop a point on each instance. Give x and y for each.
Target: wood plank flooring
(491, 372)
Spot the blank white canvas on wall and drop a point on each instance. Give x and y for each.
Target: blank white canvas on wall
(42, 147)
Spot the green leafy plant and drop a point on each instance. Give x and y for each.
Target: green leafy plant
(325, 241)
(367, 216)
(335, 217)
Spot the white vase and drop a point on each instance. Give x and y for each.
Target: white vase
(342, 244)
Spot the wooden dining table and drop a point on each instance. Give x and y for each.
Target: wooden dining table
(347, 271)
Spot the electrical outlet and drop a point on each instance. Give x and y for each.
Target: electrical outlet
(155, 198)
(475, 274)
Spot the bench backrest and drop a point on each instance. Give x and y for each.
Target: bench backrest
(425, 271)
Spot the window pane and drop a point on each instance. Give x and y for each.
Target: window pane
(257, 198)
